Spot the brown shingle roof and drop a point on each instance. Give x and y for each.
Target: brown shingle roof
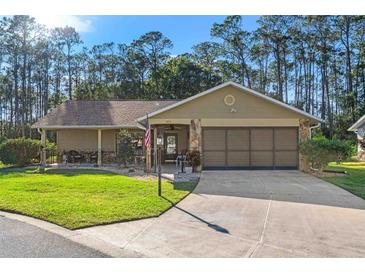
(99, 113)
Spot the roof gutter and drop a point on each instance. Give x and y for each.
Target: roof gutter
(140, 125)
(85, 127)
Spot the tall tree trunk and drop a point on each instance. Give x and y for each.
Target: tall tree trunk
(69, 72)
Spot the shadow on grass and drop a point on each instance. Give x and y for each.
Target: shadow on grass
(210, 225)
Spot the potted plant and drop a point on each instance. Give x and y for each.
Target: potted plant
(193, 158)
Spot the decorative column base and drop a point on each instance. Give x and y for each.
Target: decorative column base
(361, 149)
(195, 142)
(304, 134)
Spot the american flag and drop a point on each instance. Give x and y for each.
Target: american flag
(147, 135)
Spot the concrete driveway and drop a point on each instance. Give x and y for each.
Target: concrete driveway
(250, 214)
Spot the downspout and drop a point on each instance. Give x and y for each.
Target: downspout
(313, 127)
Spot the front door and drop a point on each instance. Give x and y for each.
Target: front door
(170, 146)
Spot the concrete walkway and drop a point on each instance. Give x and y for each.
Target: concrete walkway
(249, 214)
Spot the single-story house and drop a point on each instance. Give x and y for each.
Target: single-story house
(359, 129)
(232, 126)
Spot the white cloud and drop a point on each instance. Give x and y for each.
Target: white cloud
(52, 21)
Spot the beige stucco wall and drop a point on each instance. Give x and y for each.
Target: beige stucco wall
(182, 139)
(84, 139)
(212, 110)
(247, 111)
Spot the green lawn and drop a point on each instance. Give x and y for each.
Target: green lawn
(81, 198)
(354, 182)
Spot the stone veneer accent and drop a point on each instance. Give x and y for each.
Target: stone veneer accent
(195, 136)
(304, 134)
(361, 149)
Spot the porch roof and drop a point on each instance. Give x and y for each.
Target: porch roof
(99, 114)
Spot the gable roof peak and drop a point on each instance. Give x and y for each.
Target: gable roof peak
(240, 87)
(357, 124)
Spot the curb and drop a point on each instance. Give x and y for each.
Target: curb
(75, 236)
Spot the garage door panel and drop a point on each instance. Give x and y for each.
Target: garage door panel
(262, 139)
(238, 158)
(238, 139)
(250, 147)
(214, 139)
(286, 139)
(214, 158)
(286, 158)
(262, 158)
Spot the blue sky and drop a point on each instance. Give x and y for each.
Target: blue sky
(184, 31)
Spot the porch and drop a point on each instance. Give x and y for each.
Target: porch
(173, 139)
(88, 147)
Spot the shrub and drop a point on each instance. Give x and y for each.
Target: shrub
(2, 139)
(193, 158)
(343, 149)
(19, 152)
(320, 151)
(125, 147)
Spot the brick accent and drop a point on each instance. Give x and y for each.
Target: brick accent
(195, 140)
(361, 149)
(304, 134)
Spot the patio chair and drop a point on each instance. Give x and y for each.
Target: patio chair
(94, 157)
(74, 156)
(181, 160)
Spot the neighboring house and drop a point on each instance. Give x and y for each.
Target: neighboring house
(232, 126)
(359, 129)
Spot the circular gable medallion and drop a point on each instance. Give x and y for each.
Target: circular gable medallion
(229, 100)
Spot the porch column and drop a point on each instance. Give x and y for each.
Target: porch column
(148, 160)
(304, 134)
(99, 148)
(155, 132)
(195, 142)
(43, 147)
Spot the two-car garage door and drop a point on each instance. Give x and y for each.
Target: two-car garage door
(256, 148)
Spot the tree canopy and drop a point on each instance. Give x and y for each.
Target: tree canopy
(315, 63)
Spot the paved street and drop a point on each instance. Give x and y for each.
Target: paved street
(21, 240)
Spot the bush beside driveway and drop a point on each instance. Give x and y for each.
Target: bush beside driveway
(83, 198)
